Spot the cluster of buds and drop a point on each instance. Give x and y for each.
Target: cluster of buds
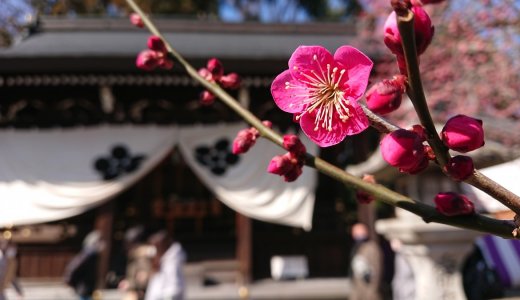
(463, 134)
(453, 204)
(214, 72)
(155, 56)
(423, 29)
(385, 96)
(405, 149)
(246, 138)
(290, 164)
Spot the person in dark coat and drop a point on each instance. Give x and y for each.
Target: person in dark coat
(81, 272)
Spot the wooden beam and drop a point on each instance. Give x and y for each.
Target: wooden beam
(244, 248)
(104, 223)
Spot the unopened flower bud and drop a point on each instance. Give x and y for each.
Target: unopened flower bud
(460, 167)
(206, 74)
(166, 63)
(215, 67)
(385, 96)
(293, 174)
(244, 140)
(404, 149)
(280, 165)
(424, 2)
(453, 204)
(230, 81)
(147, 60)
(362, 196)
(423, 32)
(463, 134)
(207, 98)
(286, 165)
(156, 43)
(267, 123)
(292, 143)
(136, 20)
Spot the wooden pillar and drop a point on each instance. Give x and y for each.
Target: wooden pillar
(244, 248)
(104, 223)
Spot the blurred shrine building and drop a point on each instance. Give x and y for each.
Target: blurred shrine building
(88, 141)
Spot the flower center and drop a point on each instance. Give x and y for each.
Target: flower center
(322, 92)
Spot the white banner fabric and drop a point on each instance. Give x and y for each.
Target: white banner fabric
(245, 185)
(50, 174)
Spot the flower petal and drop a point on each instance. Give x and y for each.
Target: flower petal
(325, 138)
(288, 99)
(302, 62)
(357, 66)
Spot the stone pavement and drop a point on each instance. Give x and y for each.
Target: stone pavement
(308, 289)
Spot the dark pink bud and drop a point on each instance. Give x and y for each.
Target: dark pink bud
(423, 32)
(385, 96)
(147, 60)
(453, 204)
(404, 149)
(424, 2)
(293, 174)
(156, 44)
(280, 165)
(207, 98)
(362, 196)
(215, 67)
(462, 133)
(293, 144)
(230, 81)
(136, 20)
(267, 123)
(206, 74)
(423, 164)
(419, 129)
(460, 167)
(166, 63)
(244, 140)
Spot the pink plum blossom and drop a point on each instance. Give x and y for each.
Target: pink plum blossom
(322, 91)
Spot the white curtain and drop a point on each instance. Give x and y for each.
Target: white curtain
(245, 185)
(50, 174)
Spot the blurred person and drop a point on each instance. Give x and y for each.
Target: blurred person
(8, 266)
(369, 265)
(167, 281)
(139, 265)
(81, 272)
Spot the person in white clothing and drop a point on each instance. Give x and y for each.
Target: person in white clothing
(167, 282)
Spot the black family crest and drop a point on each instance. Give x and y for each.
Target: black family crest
(216, 158)
(120, 161)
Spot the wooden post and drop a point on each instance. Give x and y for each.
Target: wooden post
(104, 223)
(244, 248)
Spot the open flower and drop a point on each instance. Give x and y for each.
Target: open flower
(322, 91)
